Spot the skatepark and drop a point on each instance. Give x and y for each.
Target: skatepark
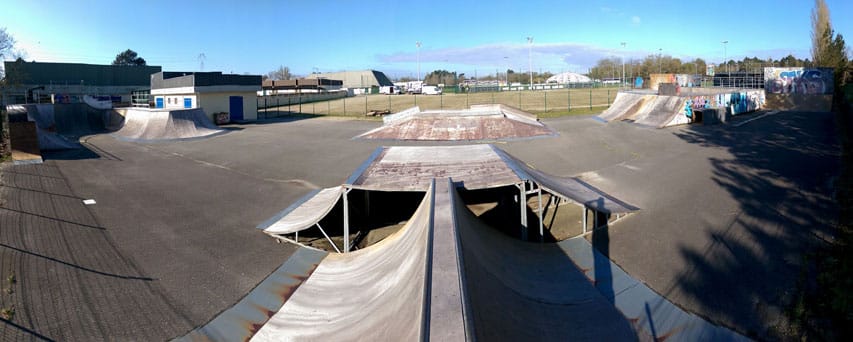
(686, 232)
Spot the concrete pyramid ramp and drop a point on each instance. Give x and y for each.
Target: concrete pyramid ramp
(482, 122)
(151, 125)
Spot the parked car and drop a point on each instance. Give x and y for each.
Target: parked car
(430, 90)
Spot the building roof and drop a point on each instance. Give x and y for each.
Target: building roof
(357, 78)
(77, 73)
(178, 79)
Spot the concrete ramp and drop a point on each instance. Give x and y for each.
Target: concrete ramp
(47, 128)
(373, 294)
(530, 292)
(665, 112)
(624, 105)
(152, 125)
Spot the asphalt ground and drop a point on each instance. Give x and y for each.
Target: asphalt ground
(726, 214)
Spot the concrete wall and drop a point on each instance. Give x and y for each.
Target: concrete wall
(818, 81)
(219, 102)
(177, 101)
(799, 102)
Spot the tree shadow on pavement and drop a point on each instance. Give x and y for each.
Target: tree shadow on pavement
(780, 174)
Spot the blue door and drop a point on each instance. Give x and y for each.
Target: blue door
(188, 102)
(159, 101)
(236, 108)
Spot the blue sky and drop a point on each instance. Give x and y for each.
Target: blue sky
(471, 37)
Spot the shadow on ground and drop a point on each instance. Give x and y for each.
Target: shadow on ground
(780, 175)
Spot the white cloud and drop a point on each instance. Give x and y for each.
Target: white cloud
(635, 20)
(553, 57)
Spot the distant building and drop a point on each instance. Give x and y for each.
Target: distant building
(301, 85)
(357, 79)
(214, 92)
(568, 77)
(30, 82)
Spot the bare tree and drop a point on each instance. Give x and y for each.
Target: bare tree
(282, 73)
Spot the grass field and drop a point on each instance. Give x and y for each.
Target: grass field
(547, 103)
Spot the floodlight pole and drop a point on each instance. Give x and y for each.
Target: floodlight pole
(660, 62)
(419, 59)
(725, 53)
(623, 66)
(530, 60)
(506, 71)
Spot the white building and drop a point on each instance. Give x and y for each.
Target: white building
(213, 92)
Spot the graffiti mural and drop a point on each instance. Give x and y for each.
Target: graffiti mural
(798, 80)
(735, 102)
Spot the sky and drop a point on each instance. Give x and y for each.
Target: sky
(471, 37)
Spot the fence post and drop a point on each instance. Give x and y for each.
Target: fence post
(546, 100)
(466, 99)
(441, 101)
(389, 103)
(519, 99)
(365, 104)
(300, 103)
(608, 97)
(590, 98)
(345, 105)
(569, 95)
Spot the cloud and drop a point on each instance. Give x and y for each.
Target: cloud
(635, 20)
(554, 57)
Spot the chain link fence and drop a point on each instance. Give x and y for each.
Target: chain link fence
(538, 101)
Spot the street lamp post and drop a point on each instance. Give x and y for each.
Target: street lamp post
(622, 83)
(418, 44)
(506, 71)
(530, 60)
(660, 63)
(725, 54)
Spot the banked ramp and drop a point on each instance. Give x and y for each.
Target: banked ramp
(150, 125)
(647, 109)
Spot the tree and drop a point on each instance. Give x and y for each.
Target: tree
(828, 48)
(129, 57)
(441, 77)
(6, 43)
(821, 37)
(282, 73)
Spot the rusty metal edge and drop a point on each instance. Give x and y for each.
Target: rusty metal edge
(353, 178)
(241, 321)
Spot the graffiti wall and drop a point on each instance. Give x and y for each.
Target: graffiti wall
(798, 80)
(735, 102)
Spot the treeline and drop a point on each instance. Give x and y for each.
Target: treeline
(452, 78)
(653, 64)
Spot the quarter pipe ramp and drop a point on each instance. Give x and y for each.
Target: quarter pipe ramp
(150, 125)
